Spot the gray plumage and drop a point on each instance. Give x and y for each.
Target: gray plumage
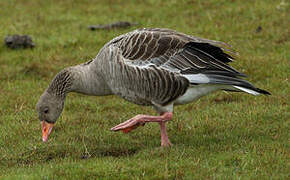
(158, 67)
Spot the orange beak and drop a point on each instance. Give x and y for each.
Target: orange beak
(46, 130)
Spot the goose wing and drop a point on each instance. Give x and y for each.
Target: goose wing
(174, 50)
(150, 65)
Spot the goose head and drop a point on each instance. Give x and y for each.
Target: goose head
(49, 108)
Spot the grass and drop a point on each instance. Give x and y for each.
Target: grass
(221, 136)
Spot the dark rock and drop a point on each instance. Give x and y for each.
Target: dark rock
(17, 41)
(116, 25)
(259, 29)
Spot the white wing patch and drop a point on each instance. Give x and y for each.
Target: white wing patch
(197, 78)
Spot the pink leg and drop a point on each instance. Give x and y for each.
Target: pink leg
(164, 138)
(138, 120)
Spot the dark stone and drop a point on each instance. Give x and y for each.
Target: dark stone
(17, 41)
(259, 29)
(116, 25)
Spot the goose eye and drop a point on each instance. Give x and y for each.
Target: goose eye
(45, 110)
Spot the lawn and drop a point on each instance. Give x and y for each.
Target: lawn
(221, 136)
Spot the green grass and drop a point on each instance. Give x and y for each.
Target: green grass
(221, 136)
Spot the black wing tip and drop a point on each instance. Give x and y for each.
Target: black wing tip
(263, 91)
(213, 50)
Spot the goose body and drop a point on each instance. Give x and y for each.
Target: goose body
(156, 67)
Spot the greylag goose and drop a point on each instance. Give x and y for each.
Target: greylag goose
(153, 67)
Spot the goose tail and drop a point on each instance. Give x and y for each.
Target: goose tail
(227, 81)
